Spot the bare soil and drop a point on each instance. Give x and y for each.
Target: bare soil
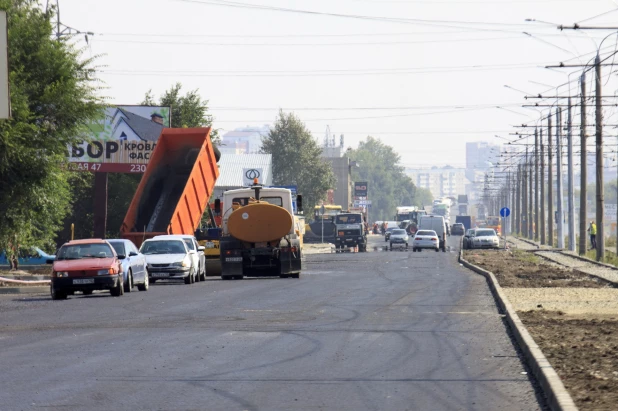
(581, 346)
(521, 269)
(583, 350)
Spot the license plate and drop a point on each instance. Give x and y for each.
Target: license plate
(83, 281)
(233, 259)
(210, 245)
(160, 275)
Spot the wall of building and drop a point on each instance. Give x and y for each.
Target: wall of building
(342, 194)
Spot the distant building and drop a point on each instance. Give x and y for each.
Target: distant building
(442, 182)
(333, 154)
(244, 140)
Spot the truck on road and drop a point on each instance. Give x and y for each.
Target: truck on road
(260, 236)
(465, 220)
(175, 188)
(350, 232)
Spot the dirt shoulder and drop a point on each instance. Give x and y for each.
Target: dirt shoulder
(572, 316)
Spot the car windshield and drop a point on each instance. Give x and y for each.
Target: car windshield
(81, 251)
(189, 244)
(458, 225)
(484, 233)
(119, 247)
(391, 229)
(348, 219)
(163, 247)
(426, 232)
(398, 232)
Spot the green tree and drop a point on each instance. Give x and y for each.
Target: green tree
(53, 96)
(389, 186)
(296, 159)
(187, 111)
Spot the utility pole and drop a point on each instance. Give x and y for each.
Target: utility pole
(599, 151)
(559, 178)
(536, 184)
(543, 241)
(531, 211)
(525, 196)
(571, 189)
(517, 201)
(550, 186)
(583, 169)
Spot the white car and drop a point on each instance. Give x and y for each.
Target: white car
(484, 238)
(425, 239)
(398, 237)
(196, 251)
(168, 259)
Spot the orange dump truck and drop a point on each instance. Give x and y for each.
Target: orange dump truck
(176, 186)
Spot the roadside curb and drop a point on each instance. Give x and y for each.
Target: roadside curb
(24, 290)
(558, 398)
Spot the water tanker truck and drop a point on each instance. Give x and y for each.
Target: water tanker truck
(261, 237)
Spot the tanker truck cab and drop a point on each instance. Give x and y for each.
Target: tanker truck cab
(261, 237)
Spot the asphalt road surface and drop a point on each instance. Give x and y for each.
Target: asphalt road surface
(361, 331)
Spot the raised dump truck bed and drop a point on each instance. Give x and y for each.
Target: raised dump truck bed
(176, 186)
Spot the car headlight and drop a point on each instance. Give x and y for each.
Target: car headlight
(183, 263)
(106, 272)
(62, 274)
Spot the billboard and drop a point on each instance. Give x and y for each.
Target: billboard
(360, 189)
(121, 140)
(248, 174)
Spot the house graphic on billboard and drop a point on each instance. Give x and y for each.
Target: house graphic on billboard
(121, 140)
(127, 126)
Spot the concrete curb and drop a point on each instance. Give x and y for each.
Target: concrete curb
(558, 398)
(24, 290)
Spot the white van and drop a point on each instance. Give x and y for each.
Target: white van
(437, 224)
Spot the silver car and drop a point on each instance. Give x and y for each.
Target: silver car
(398, 237)
(484, 238)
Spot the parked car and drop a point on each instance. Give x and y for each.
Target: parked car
(389, 231)
(86, 265)
(169, 259)
(133, 263)
(485, 238)
(398, 237)
(426, 239)
(196, 251)
(458, 229)
(467, 239)
(27, 258)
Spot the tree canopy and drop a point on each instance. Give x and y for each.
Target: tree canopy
(189, 110)
(296, 159)
(388, 185)
(53, 95)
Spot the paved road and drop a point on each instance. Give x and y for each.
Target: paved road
(369, 331)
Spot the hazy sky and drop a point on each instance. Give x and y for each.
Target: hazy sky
(424, 76)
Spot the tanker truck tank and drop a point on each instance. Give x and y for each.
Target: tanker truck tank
(260, 234)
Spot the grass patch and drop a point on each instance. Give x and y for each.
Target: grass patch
(526, 257)
(610, 258)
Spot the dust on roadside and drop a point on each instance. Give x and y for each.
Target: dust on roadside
(581, 340)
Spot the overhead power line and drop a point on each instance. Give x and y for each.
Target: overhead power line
(468, 25)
